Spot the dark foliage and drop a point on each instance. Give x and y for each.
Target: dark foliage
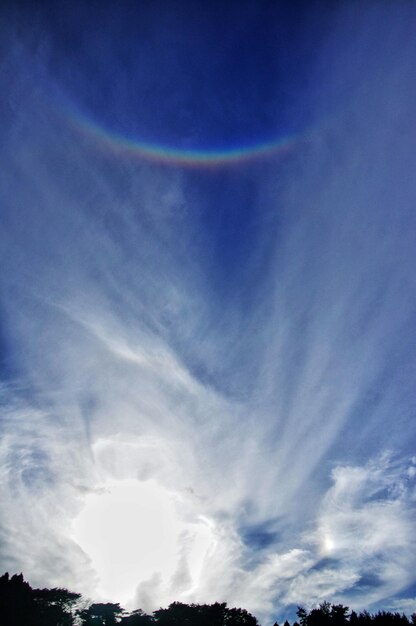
(20, 605)
(338, 615)
(99, 614)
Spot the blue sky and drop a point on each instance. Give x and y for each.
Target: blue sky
(208, 302)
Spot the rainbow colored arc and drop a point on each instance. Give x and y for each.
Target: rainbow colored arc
(185, 157)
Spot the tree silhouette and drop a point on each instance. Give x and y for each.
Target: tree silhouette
(239, 617)
(339, 614)
(330, 615)
(302, 615)
(55, 606)
(16, 602)
(179, 614)
(20, 605)
(100, 614)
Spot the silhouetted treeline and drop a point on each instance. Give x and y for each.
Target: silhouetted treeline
(327, 614)
(20, 605)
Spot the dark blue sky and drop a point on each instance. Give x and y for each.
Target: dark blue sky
(207, 301)
(186, 74)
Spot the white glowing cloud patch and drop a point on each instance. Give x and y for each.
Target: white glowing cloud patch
(132, 531)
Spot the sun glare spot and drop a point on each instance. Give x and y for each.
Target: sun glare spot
(131, 530)
(328, 544)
